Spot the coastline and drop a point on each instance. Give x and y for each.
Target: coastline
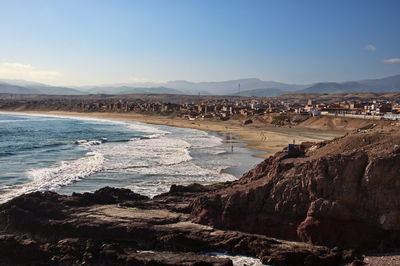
(261, 137)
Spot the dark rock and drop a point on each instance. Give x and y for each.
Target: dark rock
(107, 195)
(247, 121)
(77, 229)
(21, 250)
(344, 193)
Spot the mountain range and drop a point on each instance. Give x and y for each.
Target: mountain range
(29, 87)
(229, 87)
(248, 87)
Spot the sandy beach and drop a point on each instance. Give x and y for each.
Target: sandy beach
(266, 138)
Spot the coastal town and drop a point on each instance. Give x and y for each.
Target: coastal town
(214, 108)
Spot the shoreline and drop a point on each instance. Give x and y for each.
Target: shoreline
(238, 162)
(256, 136)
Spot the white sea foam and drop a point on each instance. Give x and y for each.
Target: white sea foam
(237, 260)
(9, 121)
(201, 139)
(54, 177)
(162, 157)
(217, 151)
(183, 174)
(133, 125)
(145, 153)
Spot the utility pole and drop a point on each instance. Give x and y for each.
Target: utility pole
(239, 89)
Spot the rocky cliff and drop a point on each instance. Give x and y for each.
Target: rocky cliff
(118, 227)
(344, 193)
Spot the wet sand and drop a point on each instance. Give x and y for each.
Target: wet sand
(266, 138)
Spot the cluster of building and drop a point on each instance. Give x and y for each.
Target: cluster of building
(218, 108)
(361, 109)
(222, 108)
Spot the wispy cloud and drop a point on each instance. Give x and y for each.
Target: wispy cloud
(16, 65)
(370, 47)
(12, 70)
(392, 60)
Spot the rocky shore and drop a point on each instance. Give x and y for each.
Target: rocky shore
(342, 193)
(112, 226)
(318, 208)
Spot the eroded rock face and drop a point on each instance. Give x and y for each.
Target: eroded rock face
(113, 226)
(345, 193)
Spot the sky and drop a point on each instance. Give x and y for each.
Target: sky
(88, 42)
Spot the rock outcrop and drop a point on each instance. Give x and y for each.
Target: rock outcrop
(118, 227)
(344, 192)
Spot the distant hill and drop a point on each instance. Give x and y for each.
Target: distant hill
(387, 84)
(27, 87)
(205, 88)
(334, 87)
(13, 89)
(261, 92)
(132, 90)
(248, 87)
(230, 86)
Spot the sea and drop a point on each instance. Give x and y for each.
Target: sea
(66, 155)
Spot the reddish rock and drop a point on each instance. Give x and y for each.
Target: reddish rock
(345, 193)
(70, 230)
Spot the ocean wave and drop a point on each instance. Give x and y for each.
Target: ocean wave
(133, 125)
(54, 177)
(184, 170)
(86, 142)
(10, 121)
(152, 136)
(23, 148)
(201, 139)
(151, 152)
(218, 151)
(238, 260)
(5, 154)
(147, 159)
(159, 179)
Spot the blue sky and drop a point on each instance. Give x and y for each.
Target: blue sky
(81, 42)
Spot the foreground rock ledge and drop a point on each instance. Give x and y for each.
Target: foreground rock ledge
(112, 226)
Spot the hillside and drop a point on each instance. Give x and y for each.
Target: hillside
(388, 84)
(8, 88)
(333, 87)
(248, 87)
(27, 87)
(271, 92)
(132, 90)
(391, 83)
(187, 87)
(340, 123)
